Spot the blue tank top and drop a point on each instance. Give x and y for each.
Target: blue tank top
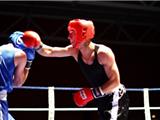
(7, 67)
(94, 73)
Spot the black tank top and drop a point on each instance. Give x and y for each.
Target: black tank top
(94, 73)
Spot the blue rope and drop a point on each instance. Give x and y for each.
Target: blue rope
(31, 87)
(74, 88)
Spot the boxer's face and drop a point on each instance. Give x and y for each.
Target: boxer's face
(74, 38)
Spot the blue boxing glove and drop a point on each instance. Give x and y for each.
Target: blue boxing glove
(30, 53)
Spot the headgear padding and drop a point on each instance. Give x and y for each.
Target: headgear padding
(15, 39)
(84, 29)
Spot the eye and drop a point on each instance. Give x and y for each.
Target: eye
(71, 32)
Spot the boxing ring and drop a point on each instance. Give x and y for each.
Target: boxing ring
(51, 101)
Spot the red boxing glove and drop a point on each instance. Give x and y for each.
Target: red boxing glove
(85, 95)
(82, 97)
(31, 39)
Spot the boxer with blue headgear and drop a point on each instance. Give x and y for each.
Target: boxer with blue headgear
(15, 61)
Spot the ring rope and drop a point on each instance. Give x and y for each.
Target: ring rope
(77, 88)
(51, 101)
(75, 109)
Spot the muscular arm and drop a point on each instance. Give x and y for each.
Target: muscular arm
(21, 73)
(107, 59)
(49, 51)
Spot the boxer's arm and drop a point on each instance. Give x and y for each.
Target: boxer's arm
(107, 59)
(21, 73)
(32, 40)
(49, 51)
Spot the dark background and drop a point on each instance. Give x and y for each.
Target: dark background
(131, 29)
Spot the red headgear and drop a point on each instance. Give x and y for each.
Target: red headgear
(84, 30)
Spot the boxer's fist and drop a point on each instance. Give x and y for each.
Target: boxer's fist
(82, 97)
(30, 53)
(31, 39)
(85, 95)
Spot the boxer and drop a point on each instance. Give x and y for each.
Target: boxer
(15, 61)
(98, 65)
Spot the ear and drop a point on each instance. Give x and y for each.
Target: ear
(84, 33)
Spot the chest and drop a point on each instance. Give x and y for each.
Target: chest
(90, 58)
(94, 73)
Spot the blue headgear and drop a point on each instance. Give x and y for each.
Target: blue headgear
(15, 39)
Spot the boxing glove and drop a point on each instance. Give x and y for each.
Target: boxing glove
(27, 41)
(30, 53)
(31, 39)
(85, 95)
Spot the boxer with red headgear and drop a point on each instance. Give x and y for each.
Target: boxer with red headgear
(97, 63)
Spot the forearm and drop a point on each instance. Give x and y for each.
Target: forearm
(113, 79)
(110, 85)
(21, 80)
(48, 51)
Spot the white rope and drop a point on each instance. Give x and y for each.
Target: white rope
(146, 104)
(74, 109)
(51, 103)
